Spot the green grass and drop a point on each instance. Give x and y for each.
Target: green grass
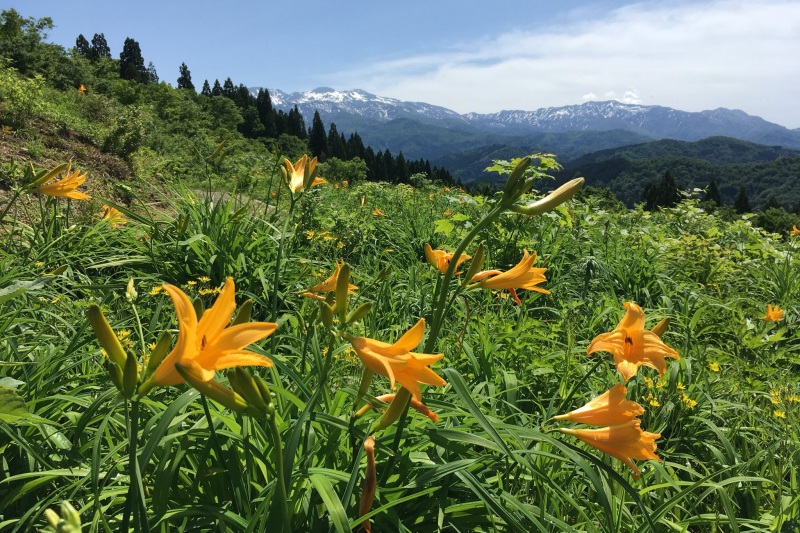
(493, 461)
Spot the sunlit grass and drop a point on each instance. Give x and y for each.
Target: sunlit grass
(727, 410)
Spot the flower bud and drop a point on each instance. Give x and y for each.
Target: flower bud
(130, 291)
(552, 200)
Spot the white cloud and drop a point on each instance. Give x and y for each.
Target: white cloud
(688, 55)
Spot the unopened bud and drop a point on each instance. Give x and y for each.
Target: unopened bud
(552, 200)
(130, 291)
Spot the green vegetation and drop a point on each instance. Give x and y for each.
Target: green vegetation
(183, 200)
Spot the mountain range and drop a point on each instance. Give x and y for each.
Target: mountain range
(381, 121)
(613, 144)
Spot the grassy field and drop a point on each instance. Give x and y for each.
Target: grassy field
(81, 423)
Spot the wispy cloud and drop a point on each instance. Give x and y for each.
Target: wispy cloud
(688, 55)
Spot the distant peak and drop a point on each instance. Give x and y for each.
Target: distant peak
(323, 90)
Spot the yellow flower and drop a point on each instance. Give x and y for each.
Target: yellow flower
(609, 409)
(687, 401)
(82, 89)
(113, 215)
(713, 366)
(397, 362)
(328, 285)
(795, 232)
(779, 414)
(774, 314)
(440, 259)
(208, 344)
(66, 187)
(633, 346)
(377, 213)
(680, 386)
(301, 175)
(156, 290)
(521, 276)
(625, 442)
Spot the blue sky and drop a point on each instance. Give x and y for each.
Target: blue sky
(469, 55)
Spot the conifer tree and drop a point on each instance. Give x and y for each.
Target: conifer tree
(206, 90)
(185, 78)
(100, 47)
(742, 203)
(152, 75)
(355, 147)
(131, 63)
(318, 141)
(266, 113)
(295, 124)
(228, 89)
(217, 89)
(82, 46)
(665, 193)
(335, 145)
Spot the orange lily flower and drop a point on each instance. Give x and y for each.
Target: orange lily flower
(521, 276)
(625, 442)
(774, 314)
(397, 362)
(633, 346)
(609, 409)
(297, 174)
(795, 231)
(82, 89)
(378, 213)
(328, 285)
(66, 186)
(440, 259)
(208, 344)
(113, 215)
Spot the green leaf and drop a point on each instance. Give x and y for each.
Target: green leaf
(331, 501)
(444, 226)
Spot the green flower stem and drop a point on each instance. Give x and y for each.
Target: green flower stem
(135, 500)
(277, 458)
(441, 301)
(278, 265)
(218, 447)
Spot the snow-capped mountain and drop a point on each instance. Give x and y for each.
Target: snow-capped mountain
(357, 102)
(356, 109)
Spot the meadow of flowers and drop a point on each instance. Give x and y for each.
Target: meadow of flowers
(344, 356)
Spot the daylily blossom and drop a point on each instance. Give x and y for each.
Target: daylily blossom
(397, 362)
(113, 215)
(82, 89)
(633, 346)
(440, 259)
(609, 409)
(795, 231)
(521, 276)
(66, 186)
(297, 174)
(328, 285)
(774, 314)
(208, 344)
(625, 442)
(378, 213)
